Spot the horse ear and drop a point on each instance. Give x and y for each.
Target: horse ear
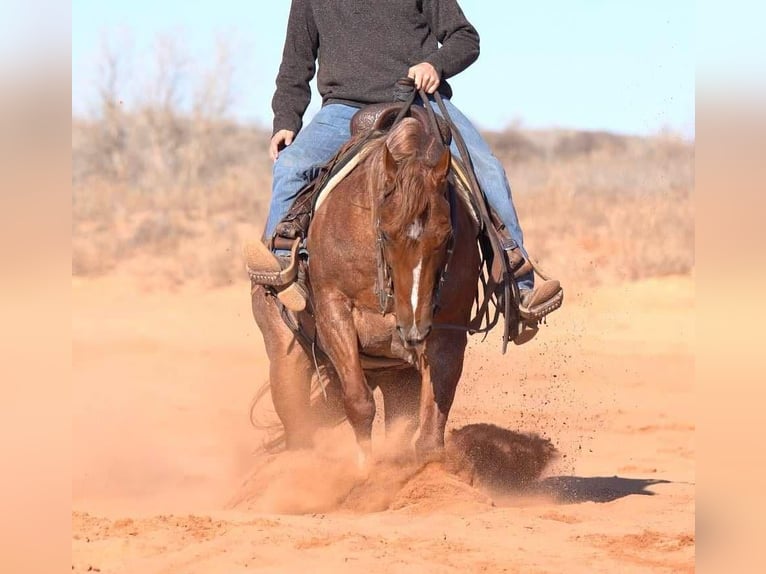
(443, 165)
(389, 163)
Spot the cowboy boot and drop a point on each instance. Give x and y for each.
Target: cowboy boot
(544, 298)
(536, 303)
(280, 273)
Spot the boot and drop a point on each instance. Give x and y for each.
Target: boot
(545, 298)
(265, 268)
(535, 304)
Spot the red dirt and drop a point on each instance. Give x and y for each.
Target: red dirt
(166, 477)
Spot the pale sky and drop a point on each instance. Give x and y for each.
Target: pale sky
(623, 66)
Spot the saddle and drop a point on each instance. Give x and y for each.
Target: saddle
(381, 117)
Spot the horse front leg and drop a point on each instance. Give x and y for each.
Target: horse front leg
(338, 337)
(441, 365)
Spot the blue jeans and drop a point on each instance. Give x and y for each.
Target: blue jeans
(318, 141)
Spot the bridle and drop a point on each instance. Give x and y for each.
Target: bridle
(384, 286)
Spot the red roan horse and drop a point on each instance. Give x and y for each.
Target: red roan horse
(394, 212)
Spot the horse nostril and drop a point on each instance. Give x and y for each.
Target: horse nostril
(416, 337)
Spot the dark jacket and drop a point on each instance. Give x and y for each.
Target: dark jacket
(363, 47)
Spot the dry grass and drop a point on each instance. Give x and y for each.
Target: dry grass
(599, 207)
(183, 213)
(171, 198)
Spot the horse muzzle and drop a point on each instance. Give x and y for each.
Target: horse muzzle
(414, 336)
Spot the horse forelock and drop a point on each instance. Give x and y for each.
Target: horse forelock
(405, 140)
(407, 198)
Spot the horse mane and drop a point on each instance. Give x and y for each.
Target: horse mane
(414, 151)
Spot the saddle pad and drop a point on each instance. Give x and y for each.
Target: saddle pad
(462, 188)
(338, 177)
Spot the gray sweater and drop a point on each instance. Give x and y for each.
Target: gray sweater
(363, 47)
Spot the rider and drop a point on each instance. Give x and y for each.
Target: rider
(362, 50)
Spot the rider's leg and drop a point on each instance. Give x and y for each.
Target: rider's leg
(314, 146)
(492, 179)
(296, 165)
(536, 300)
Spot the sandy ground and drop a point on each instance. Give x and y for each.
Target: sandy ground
(168, 477)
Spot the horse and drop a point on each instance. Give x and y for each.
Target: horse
(392, 273)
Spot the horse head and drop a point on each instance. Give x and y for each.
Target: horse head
(413, 223)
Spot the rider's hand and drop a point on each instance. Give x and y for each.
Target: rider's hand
(278, 141)
(426, 77)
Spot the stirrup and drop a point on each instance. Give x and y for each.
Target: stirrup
(530, 321)
(551, 295)
(264, 267)
(551, 298)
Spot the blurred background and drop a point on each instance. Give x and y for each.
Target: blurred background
(589, 105)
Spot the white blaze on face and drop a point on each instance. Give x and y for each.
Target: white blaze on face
(415, 230)
(415, 288)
